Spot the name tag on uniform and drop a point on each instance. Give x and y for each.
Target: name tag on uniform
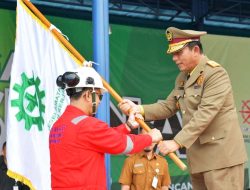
(15, 187)
(138, 165)
(154, 182)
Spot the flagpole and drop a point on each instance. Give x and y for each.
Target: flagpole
(116, 96)
(100, 22)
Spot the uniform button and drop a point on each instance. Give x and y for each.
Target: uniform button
(183, 111)
(213, 138)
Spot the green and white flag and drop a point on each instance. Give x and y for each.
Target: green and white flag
(35, 102)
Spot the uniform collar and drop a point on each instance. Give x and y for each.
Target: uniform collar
(75, 110)
(197, 71)
(143, 154)
(193, 70)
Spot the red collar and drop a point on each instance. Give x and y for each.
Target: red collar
(75, 110)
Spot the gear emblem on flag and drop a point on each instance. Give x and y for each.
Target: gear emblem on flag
(30, 104)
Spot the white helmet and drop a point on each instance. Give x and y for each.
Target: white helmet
(84, 77)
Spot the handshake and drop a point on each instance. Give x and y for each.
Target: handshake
(134, 111)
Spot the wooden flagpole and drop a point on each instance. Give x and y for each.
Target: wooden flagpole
(116, 96)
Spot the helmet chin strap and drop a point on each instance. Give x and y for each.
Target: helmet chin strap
(93, 94)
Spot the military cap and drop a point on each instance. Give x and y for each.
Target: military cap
(179, 38)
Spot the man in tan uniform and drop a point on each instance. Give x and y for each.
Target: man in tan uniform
(211, 132)
(145, 171)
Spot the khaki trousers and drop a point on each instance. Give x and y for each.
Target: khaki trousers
(231, 178)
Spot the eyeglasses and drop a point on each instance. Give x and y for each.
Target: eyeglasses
(99, 96)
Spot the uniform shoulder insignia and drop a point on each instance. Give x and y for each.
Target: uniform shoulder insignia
(213, 63)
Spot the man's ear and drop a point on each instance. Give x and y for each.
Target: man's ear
(196, 49)
(87, 95)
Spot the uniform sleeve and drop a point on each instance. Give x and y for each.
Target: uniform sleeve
(166, 181)
(216, 89)
(161, 110)
(104, 139)
(121, 129)
(126, 176)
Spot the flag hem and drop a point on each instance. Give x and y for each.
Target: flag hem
(20, 178)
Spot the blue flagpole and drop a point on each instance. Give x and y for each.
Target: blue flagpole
(101, 56)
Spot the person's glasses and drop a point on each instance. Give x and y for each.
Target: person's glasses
(99, 96)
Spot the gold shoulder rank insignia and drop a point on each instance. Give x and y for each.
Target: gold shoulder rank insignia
(213, 63)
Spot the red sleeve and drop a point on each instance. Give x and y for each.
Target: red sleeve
(121, 129)
(101, 138)
(140, 142)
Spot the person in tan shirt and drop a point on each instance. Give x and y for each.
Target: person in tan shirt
(145, 171)
(210, 132)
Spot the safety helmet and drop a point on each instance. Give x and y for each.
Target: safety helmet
(84, 77)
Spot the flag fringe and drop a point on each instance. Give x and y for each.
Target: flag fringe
(20, 178)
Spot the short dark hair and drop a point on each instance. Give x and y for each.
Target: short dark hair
(4, 145)
(191, 45)
(76, 93)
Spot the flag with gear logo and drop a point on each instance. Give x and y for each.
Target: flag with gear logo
(35, 102)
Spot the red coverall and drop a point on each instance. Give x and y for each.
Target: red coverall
(77, 146)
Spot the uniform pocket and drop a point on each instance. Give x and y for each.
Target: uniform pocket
(139, 176)
(209, 138)
(178, 94)
(194, 92)
(138, 170)
(193, 97)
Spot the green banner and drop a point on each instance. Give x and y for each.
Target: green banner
(7, 40)
(233, 54)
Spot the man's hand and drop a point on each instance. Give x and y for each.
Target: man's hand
(127, 105)
(132, 123)
(166, 147)
(156, 135)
